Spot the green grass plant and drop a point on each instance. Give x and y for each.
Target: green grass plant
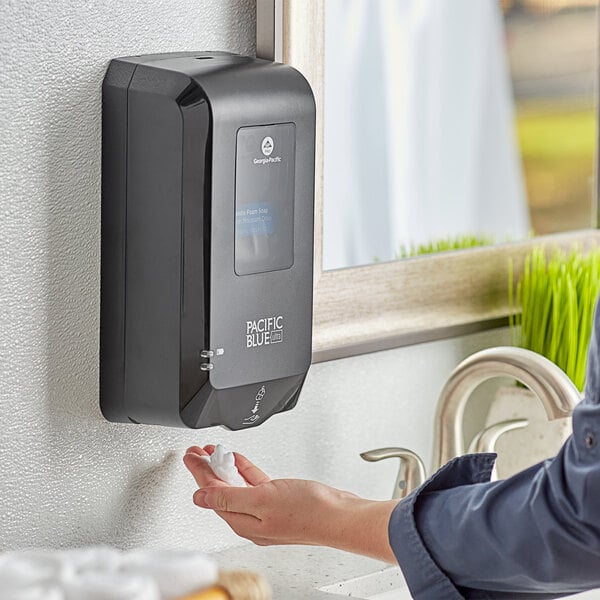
(556, 295)
(460, 242)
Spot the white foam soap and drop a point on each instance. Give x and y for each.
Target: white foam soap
(223, 466)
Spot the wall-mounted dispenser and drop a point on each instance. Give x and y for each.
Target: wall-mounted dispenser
(207, 239)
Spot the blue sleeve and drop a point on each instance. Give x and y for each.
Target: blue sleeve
(534, 535)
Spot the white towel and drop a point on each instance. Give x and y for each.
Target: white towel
(177, 573)
(101, 573)
(36, 592)
(96, 585)
(31, 568)
(93, 558)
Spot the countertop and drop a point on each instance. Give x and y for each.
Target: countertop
(297, 572)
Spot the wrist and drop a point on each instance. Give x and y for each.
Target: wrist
(358, 525)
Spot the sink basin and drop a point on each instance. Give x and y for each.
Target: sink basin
(387, 584)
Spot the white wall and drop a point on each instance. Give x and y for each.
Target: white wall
(67, 476)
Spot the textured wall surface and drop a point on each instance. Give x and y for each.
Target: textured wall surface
(67, 476)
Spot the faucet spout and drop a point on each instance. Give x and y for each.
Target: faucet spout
(546, 380)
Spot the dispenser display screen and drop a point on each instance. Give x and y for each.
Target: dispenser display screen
(264, 198)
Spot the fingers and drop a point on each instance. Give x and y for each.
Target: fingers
(246, 526)
(200, 470)
(249, 471)
(226, 499)
(200, 451)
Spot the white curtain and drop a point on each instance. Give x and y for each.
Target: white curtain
(419, 127)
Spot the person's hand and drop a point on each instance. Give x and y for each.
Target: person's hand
(205, 476)
(292, 511)
(283, 511)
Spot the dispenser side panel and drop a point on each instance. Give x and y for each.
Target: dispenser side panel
(113, 227)
(196, 242)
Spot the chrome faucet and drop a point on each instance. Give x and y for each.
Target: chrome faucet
(548, 382)
(411, 473)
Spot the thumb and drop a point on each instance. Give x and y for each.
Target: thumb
(229, 499)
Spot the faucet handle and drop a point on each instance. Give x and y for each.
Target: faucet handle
(411, 473)
(485, 440)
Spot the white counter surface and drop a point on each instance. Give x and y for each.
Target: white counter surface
(297, 572)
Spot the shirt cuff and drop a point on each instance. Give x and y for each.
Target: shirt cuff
(426, 581)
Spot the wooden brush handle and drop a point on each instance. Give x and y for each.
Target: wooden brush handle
(213, 593)
(236, 585)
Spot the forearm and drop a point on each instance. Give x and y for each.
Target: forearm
(357, 525)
